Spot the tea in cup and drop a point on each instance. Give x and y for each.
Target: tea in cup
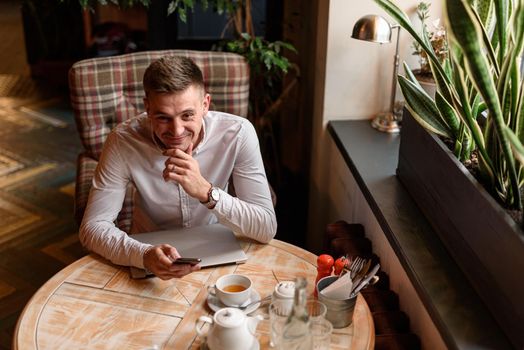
(232, 290)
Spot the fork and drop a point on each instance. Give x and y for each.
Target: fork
(362, 272)
(356, 266)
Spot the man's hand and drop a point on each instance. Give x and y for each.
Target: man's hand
(159, 260)
(181, 167)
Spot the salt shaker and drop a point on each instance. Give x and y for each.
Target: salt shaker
(284, 290)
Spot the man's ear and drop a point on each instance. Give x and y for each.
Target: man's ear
(146, 105)
(207, 103)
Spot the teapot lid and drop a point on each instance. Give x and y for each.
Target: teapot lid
(230, 317)
(286, 289)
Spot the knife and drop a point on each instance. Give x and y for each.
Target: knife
(365, 280)
(361, 274)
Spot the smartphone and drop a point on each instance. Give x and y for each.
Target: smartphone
(190, 261)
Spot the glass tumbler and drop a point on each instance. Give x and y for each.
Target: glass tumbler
(279, 312)
(321, 330)
(316, 309)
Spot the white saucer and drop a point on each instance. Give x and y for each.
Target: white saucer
(256, 345)
(215, 304)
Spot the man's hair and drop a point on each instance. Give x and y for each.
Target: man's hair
(172, 74)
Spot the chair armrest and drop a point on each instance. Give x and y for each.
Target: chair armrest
(85, 170)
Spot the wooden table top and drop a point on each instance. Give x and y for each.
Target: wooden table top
(93, 304)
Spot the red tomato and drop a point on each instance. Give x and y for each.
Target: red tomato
(325, 261)
(340, 263)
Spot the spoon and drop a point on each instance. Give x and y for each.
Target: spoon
(244, 307)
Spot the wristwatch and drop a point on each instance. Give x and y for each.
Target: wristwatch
(212, 197)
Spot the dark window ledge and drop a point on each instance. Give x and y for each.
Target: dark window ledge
(462, 319)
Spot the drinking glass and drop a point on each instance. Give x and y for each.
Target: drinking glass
(316, 309)
(279, 312)
(321, 330)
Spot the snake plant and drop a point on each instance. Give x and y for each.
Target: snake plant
(480, 90)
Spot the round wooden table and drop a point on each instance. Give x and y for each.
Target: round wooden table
(93, 304)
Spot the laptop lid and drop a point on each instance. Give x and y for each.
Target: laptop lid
(214, 244)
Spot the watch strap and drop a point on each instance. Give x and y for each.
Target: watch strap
(211, 202)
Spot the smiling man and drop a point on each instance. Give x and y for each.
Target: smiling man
(180, 157)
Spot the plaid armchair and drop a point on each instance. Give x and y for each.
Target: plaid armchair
(106, 91)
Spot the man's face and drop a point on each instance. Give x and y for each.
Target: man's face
(177, 117)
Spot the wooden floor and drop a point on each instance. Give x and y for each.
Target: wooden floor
(38, 149)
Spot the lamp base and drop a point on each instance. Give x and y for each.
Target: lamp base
(386, 122)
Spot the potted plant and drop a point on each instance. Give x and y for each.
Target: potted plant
(479, 97)
(439, 43)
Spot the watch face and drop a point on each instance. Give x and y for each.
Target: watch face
(215, 195)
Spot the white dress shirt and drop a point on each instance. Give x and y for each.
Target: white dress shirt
(229, 147)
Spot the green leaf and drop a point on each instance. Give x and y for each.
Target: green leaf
(410, 76)
(268, 59)
(257, 42)
(173, 5)
(487, 44)
(485, 11)
(422, 107)
(519, 128)
(461, 104)
(502, 14)
(443, 81)
(448, 114)
(287, 46)
(457, 150)
(518, 27)
(182, 14)
(466, 142)
(514, 88)
(220, 7)
(516, 145)
(282, 63)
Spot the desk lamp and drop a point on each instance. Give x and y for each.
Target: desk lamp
(376, 29)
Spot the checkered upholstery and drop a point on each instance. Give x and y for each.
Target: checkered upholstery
(106, 91)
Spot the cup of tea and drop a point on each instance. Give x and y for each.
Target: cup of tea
(232, 290)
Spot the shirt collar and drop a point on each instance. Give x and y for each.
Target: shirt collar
(204, 135)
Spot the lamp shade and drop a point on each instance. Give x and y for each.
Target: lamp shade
(372, 28)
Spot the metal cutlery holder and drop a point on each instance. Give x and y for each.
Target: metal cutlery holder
(339, 312)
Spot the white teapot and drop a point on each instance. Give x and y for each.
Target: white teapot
(230, 329)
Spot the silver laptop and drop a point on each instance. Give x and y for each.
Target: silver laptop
(214, 244)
